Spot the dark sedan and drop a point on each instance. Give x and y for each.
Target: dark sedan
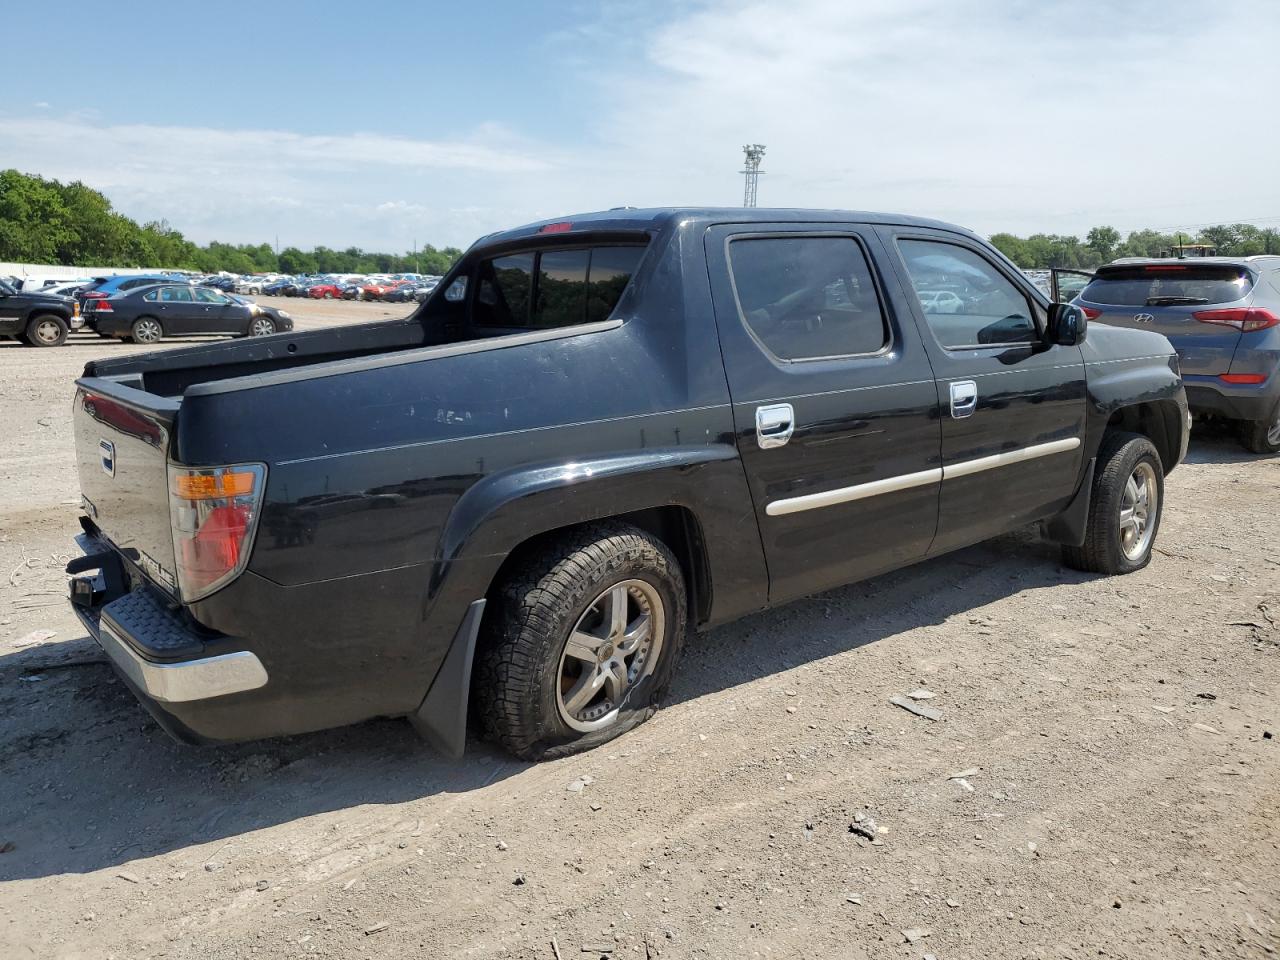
(148, 314)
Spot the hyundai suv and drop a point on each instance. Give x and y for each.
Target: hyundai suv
(1222, 315)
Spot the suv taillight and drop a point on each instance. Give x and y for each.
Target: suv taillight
(1246, 319)
(213, 512)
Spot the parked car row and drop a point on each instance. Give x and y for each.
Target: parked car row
(401, 289)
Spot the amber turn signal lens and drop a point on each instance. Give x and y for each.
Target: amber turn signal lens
(213, 486)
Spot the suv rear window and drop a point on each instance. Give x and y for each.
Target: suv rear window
(1168, 284)
(557, 287)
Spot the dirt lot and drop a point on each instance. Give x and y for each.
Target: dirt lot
(1103, 781)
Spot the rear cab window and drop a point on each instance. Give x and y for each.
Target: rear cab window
(1168, 284)
(551, 287)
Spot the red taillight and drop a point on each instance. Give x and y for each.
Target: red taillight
(1163, 267)
(215, 549)
(96, 295)
(1091, 313)
(563, 227)
(213, 513)
(1242, 377)
(102, 306)
(1246, 319)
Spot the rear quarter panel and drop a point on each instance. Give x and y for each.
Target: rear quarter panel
(394, 493)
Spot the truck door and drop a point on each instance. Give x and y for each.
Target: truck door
(834, 404)
(1013, 409)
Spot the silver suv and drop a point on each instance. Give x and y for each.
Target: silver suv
(1222, 315)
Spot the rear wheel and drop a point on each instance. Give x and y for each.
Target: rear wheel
(1125, 508)
(46, 330)
(146, 330)
(581, 643)
(1263, 436)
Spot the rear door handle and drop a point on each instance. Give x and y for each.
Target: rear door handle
(774, 425)
(964, 398)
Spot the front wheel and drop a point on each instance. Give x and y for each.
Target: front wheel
(581, 643)
(47, 331)
(262, 327)
(146, 330)
(1263, 436)
(1125, 508)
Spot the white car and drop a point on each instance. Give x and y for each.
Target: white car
(940, 301)
(252, 285)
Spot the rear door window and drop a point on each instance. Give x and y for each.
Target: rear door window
(808, 298)
(1168, 284)
(551, 288)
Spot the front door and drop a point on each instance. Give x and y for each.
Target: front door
(10, 311)
(1013, 408)
(834, 404)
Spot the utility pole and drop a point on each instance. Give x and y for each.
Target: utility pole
(754, 153)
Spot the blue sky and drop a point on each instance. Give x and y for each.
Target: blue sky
(338, 124)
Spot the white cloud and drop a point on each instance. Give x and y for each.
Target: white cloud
(1046, 116)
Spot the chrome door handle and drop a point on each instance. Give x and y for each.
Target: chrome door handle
(964, 398)
(774, 425)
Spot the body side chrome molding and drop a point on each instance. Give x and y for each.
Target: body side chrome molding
(908, 481)
(859, 491)
(969, 467)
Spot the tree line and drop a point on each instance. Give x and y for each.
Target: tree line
(1104, 244)
(45, 221)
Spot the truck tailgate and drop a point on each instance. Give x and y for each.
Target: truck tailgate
(123, 438)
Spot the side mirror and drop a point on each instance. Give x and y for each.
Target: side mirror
(1068, 325)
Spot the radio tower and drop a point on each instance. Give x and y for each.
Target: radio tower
(755, 153)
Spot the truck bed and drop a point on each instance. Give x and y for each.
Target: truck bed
(170, 373)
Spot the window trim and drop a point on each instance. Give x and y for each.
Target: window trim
(473, 288)
(891, 337)
(919, 307)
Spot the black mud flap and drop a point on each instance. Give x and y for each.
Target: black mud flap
(441, 720)
(1069, 527)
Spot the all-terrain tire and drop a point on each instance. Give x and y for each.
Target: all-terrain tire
(1121, 455)
(517, 675)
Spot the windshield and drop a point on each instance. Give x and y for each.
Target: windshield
(1167, 284)
(6, 290)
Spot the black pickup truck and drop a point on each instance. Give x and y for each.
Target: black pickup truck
(37, 319)
(596, 435)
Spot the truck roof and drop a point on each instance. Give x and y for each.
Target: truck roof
(624, 219)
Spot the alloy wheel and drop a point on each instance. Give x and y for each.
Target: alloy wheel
(614, 645)
(1138, 510)
(147, 331)
(261, 327)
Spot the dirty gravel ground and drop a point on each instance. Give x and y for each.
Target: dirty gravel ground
(1120, 797)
